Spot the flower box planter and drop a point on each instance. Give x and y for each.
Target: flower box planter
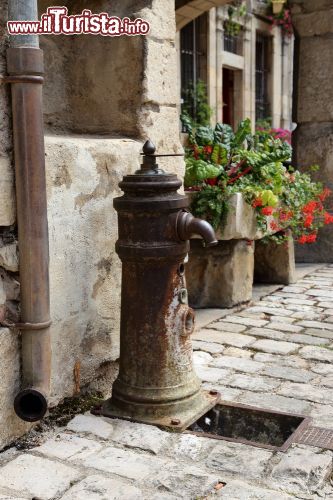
(222, 276)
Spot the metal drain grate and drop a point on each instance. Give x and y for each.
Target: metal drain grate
(316, 436)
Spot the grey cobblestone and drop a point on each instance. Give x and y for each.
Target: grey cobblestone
(307, 392)
(295, 289)
(237, 490)
(319, 293)
(246, 321)
(202, 358)
(144, 437)
(267, 333)
(209, 347)
(210, 374)
(317, 353)
(237, 353)
(239, 364)
(285, 327)
(326, 305)
(302, 470)
(91, 425)
(328, 334)
(292, 361)
(306, 315)
(223, 326)
(102, 488)
(251, 383)
(238, 460)
(192, 447)
(316, 324)
(288, 373)
(37, 477)
(306, 339)
(322, 368)
(272, 310)
(227, 338)
(282, 319)
(187, 482)
(275, 402)
(227, 393)
(68, 447)
(273, 346)
(125, 463)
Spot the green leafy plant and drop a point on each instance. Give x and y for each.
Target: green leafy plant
(220, 162)
(195, 109)
(232, 25)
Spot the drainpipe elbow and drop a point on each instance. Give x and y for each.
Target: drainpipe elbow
(30, 404)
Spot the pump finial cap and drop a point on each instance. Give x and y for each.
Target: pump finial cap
(149, 148)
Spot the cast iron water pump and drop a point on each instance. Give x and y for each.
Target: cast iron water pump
(156, 382)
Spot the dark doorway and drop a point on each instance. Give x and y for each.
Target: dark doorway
(229, 97)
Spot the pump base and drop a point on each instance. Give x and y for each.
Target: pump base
(177, 421)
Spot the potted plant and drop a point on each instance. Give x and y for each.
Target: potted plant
(277, 6)
(221, 163)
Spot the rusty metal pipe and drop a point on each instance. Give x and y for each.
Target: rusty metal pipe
(25, 70)
(188, 226)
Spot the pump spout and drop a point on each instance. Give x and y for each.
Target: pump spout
(188, 225)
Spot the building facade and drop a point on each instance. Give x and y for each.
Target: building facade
(248, 70)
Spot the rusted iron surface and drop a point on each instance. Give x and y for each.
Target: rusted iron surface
(25, 68)
(317, 437)
(156, 381)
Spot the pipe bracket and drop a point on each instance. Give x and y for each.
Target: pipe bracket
(21, 79)
(33, 326)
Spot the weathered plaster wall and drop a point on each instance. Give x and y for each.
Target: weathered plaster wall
(102, 99)
(314, 105)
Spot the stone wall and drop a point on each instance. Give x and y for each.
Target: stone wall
(102, 98)
(313, 95)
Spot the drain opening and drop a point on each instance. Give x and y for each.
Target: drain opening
(245, 424)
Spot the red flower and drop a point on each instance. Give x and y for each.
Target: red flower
(211, 182)
(324, 194)
(267, 210)
(274, 226)
(257, 203)
(285, 216)
(302, 239)
(308, 220)
(311, 238)
(328, 219)
(310, 207)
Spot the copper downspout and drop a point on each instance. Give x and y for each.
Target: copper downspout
(25, 70)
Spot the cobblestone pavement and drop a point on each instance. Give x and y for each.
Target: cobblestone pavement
(276, 354)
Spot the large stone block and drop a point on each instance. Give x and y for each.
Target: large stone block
(7, 202)
(314, 84)
(274, 263)
(314, 146)
(220, 276)
(11, 426)
(314, 23)
(304, 6)
(85, 273)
